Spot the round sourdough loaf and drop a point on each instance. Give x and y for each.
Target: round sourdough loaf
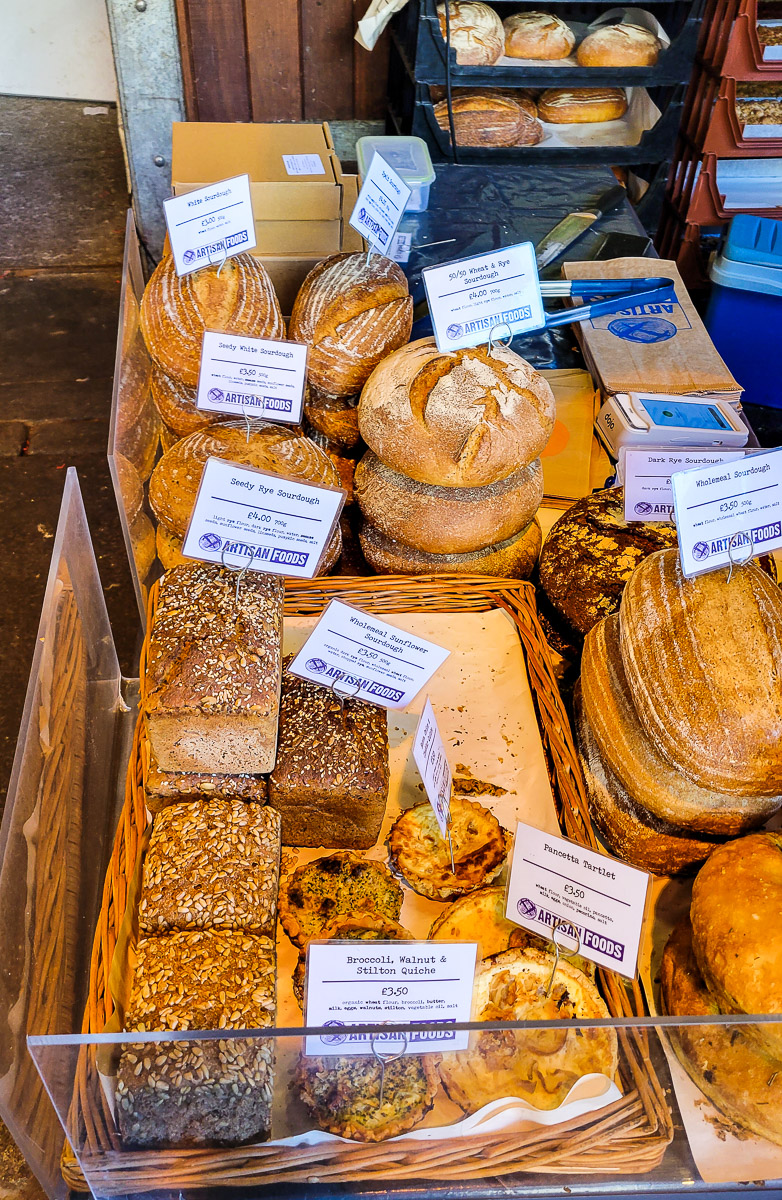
(446, 520)
(130, 486)
(177, 405)
(512, 559)
(537, 35)
(703, 659)
(461, 420)
(169, 550)
(621, 45)
(336, 417)
(236, 297)
(489, 118)
(351, 313)
(477, 36)
(174, 483)
(645, 774)
(627, 827)
(579, 106)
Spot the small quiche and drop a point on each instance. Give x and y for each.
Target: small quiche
(477, 917)
(367, 929)
(343, 1094)
(537, 1065)
(339, 885)
(421, 855)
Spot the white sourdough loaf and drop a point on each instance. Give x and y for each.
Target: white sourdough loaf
(703, 659)
(477, 36)
(446, 520)
(512, 559)
(351, 313)
(176, 404)
(464, 419)
(237, 297)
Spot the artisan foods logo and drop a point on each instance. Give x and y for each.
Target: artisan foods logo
(646, 331)
(700, 551)
(454, 331)
(210, 541)
(334, 1039)
(188, 257)
(643, 508)
(317, 665)
(526, 907)
(215, 395)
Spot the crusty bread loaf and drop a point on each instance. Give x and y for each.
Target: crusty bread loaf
(351, 313)
(130, 486)
(176, 404)
(488, 118)
(463, 419)
(621, 45)
(336, 417)
(537, 35)
(169, 550)
(142, 540)
(512, 559)
(633, 758)
(476, 31)
(279, 450)
(565, 106)
(214, 663)
(175, 310)
(446, 520)
(703, 659)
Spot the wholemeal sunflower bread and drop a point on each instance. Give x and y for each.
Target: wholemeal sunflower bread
(537, 35)
(421, 855)
(351, 313)
(212, 864)
(514, 558)
(199, 1093)
(343, 1094)
(214, 666)
(462, 420)
(366, 928)
(162, 788)
(538, 1065)
(703, 659)
(477, 36)
(340, 884)
(330, 780)
(236, 296)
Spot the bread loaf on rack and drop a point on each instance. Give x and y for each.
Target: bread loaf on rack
(477, 36)
(176, 405)
(514, 558)
(537, 35)
(621, 45)
(565, 106)
(489, 118)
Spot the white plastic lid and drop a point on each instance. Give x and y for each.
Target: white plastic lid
(409, 156)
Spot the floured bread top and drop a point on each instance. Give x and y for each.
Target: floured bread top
(476, 31)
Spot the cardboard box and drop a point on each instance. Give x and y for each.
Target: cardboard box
(297, 237)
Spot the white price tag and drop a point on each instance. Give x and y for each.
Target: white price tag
(734, 508)
(593, 898)
(470, 297)
(647, 478)
(210, 224)
(369, 658)
(243, 517)
(401, 245)
(380, 205)
(373, 983)
(303, 164)
(256, 376)
(429, 755)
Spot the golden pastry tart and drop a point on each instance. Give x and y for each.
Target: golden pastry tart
(366, 929)
(343, 1094)
(477, 917)
(420, 854)
(537, 1065)
(339, 885)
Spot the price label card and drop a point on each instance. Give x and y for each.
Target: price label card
(303, 164)
(373, 983)
(647, 478)
(401, 245)
(369, 658)
(210, 224)
(429, 755)
(380, 205)
(595, 900)
(256, 376)
(734, 508)
(243, 517)
(470, 297)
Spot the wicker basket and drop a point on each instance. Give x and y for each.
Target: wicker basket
(630, 1136)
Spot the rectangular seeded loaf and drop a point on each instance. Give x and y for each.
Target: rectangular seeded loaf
(330, 781)
(162, 788)
(213, 671)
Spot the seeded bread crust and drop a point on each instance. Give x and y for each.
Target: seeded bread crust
(198, 1093)
(212, 864)
(340, 884)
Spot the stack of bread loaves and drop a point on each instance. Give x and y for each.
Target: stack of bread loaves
(680, 713)
(452, 479)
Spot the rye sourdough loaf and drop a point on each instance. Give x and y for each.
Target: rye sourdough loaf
(514, 558)
(477, 36)
(214, 663)
(446, 520)
(461, 420)
(351, 313)
(634, 759)
(703, 659)
(237, 297)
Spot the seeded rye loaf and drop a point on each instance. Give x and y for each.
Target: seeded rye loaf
(207, 1092)
(330, 781)
(212, 864)
(213, 672)
(162, 788)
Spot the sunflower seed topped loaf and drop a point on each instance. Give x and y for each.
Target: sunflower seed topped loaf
(208, 1092)
(213, 670)
(236, 296)
(351, 313)
(212, 864)
(162, 788)
(330, 780)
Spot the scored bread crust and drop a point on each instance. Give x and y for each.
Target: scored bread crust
(343, 1094)
(336, 417)
(236, 296)
(351, 313)
(703, 659)
(489, 118)
(511, 559)
(419, 853)
(446, 520)
(621, 45)
(477, 36)
(339, 884)
(463, 419)
(537, 35)
(565, 106)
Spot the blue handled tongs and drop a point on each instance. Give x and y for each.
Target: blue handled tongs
(619, 294)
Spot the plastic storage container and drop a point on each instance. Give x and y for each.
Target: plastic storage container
(409, 156)
(745, 307)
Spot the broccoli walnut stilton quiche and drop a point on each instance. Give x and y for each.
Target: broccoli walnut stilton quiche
(339, 885)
